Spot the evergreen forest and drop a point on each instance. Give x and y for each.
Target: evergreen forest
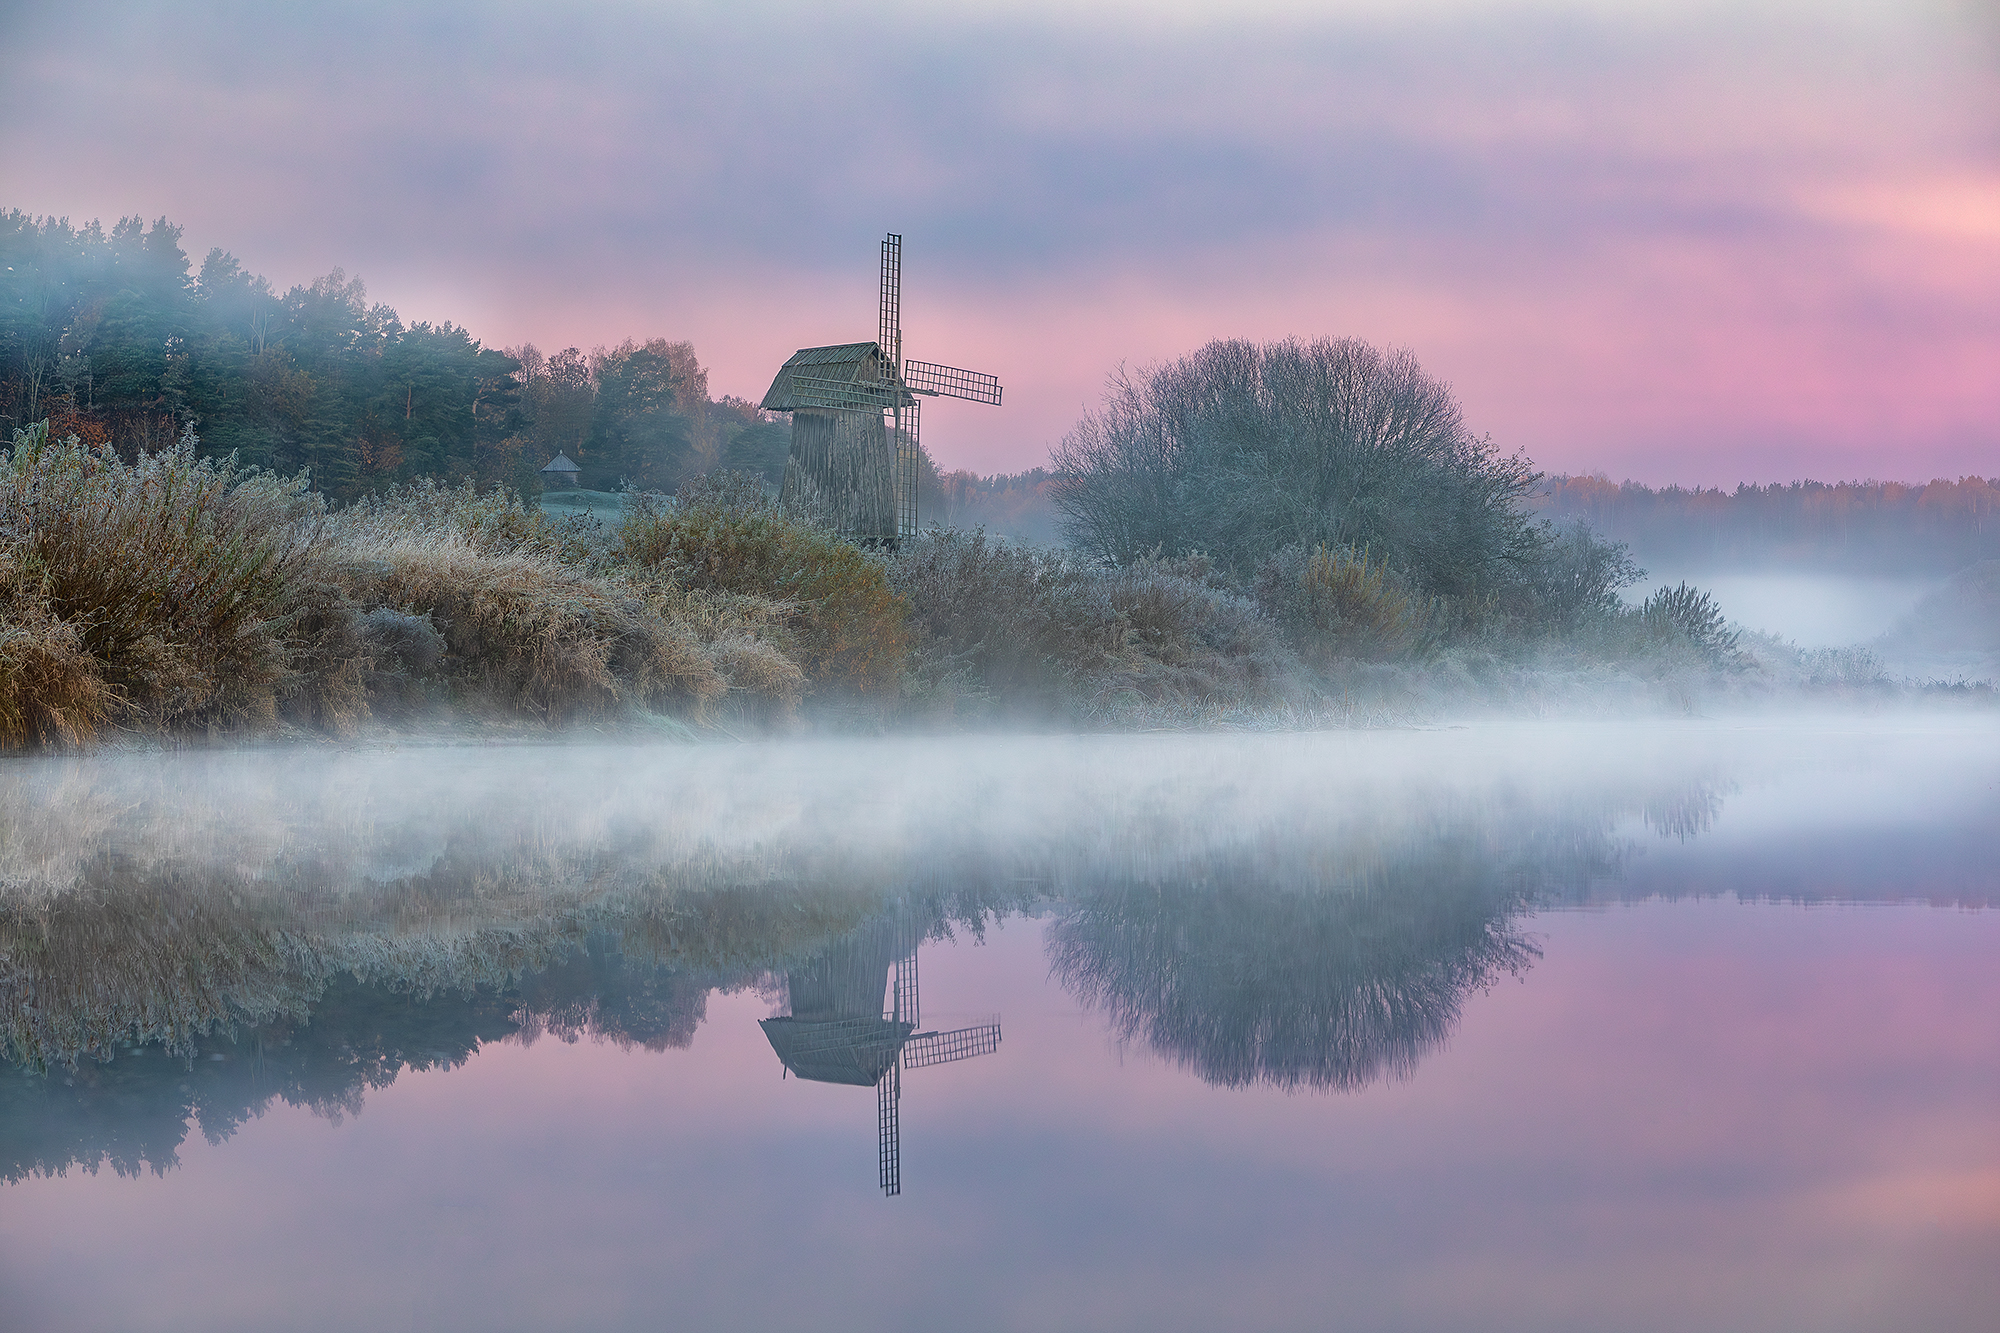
(117, 337)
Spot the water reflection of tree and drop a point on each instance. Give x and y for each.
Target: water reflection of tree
(1243, 984)
(1684, 813)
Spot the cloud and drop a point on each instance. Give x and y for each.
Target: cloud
(1629, 234)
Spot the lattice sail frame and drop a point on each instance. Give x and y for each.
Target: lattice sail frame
(943, 1048)
(889, 1130)
(974, 386)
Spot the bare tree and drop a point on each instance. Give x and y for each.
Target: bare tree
(1243, 449)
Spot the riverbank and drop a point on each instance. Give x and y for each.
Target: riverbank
(179, 599)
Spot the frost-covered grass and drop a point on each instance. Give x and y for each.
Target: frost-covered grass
(176, 595)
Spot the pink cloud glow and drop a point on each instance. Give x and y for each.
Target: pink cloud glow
(1673, 246)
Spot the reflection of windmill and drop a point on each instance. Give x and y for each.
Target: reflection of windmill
(839, 1032)
(856, 420)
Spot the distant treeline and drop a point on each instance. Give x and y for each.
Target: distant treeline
(116, 338)
(1852, 525)
(1855, 526)
(1020, 505)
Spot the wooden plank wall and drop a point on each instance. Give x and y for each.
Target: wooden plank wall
(843, 465)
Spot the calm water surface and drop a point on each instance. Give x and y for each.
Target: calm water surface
(1664, 1026)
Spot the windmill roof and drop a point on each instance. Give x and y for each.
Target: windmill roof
(852, 363)
(561, 464)
(855, 1051)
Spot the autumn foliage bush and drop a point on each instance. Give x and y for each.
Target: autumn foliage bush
(725, 537)
(1337, 603)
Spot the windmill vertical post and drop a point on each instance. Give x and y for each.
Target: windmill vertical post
(857, 415)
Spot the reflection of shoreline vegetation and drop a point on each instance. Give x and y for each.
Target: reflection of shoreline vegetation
(194, 937)
(353, 1036)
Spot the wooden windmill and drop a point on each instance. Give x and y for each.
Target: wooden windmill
(839, 1031)
(856, 420)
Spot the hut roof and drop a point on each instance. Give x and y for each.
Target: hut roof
(856, 1051)
(560, 463)
(845, 363)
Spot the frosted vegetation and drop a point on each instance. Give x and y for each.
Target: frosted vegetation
(1294, 534)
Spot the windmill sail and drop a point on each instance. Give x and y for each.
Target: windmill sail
(889, 1138)
(942, 1048)
(903, 412)
(950, 382)
(891, 321)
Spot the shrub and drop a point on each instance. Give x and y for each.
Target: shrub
(179, 578)
(1243, 449)
(1023, 631)
(1187, 637)
(1337, 604)
(1692, 615)
(1001, 626)
(1574, 578)
(849, 622)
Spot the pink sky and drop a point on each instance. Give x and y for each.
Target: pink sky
(1678, 243)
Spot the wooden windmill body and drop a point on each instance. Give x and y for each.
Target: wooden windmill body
(856, 420)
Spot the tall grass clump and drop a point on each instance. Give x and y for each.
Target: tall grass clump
(166, 592)
(723, 536)
(51, 692)
(178, 592)
(541, 616)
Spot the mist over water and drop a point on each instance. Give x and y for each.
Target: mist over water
(1813, 610)
(1279, 980)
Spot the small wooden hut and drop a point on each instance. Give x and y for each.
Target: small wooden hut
(559, 473)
